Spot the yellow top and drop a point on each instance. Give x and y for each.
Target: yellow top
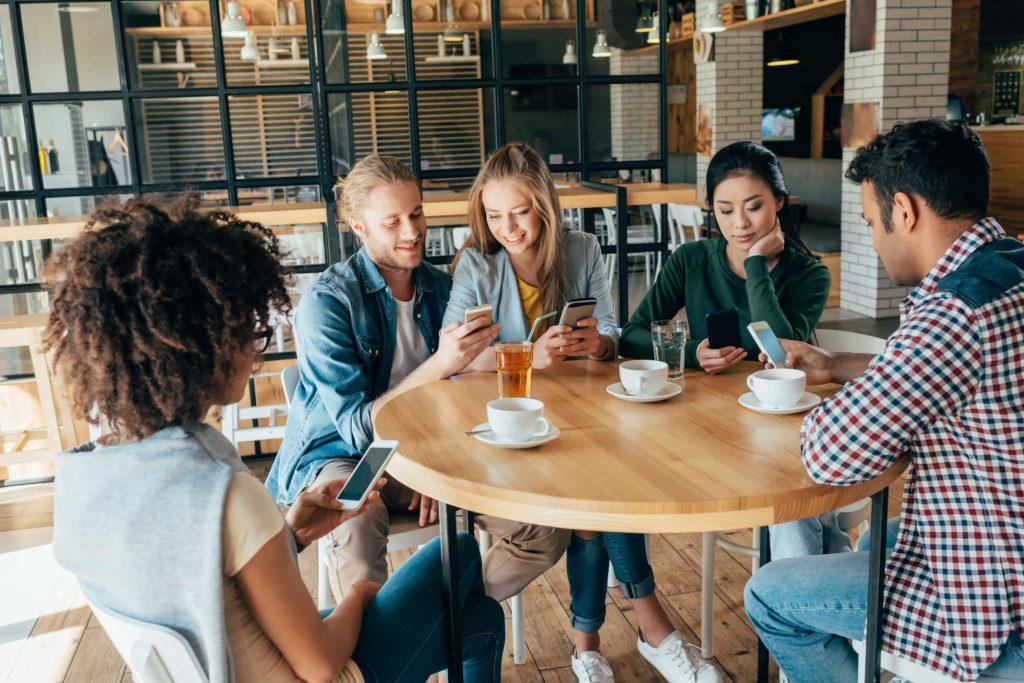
(532, 305)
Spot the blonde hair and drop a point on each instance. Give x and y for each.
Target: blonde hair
(520, 164)
(367, 175)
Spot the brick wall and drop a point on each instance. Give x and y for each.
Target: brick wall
(908, 75)
(634, 107)
(730, 89)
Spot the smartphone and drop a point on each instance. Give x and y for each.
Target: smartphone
(768, 343)
(723, 329)
(364, 477)
(576, 310)
(483, 311)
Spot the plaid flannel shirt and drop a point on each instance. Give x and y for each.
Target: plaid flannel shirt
(949, 391)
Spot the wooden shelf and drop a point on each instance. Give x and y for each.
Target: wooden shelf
(207, 31)
(168, 66)
(454, 59)
(674, 43)
(282, 63)
(790, 17)
(467, 26)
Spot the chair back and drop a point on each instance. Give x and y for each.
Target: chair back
(686, 216)
(289, 380)
(153, 653)
(841, 341)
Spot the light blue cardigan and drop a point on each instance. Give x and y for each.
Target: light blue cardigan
(490, 279)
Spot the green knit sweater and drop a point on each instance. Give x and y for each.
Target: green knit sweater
(790, 297)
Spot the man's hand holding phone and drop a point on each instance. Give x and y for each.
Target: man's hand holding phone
(815, 362)
(317, 510)
(460, 343)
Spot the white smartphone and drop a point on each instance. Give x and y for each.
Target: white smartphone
(482, 311)
(364, 477)
(768, 343)
(576, 310)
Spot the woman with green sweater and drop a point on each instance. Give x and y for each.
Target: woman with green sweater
(760, 268)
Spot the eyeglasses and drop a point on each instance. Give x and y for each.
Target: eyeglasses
(262, 341)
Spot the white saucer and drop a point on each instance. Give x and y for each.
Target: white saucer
(668, 391)
(491, 439)
(806, 402)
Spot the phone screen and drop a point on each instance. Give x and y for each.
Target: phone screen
(365, 474)
(770, 344)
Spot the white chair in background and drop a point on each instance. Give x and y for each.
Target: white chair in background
(153, 653)
(680, 217)
(404, 532)
(640, 233)
(851, 517)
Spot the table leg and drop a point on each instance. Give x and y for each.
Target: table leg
(450, 581)
(765, 548)
(876, 590)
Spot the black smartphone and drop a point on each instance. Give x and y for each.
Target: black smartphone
(723, 329)
(576, 310)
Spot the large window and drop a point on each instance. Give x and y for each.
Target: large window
(273, 103)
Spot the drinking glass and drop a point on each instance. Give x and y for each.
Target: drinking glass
(669, 337)
(515, 366)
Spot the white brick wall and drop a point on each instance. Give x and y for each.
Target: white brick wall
(634, 108)
(730, 89)
(907, 74)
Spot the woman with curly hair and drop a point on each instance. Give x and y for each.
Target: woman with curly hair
(158, 314)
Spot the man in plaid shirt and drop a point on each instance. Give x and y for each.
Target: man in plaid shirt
(948, 391)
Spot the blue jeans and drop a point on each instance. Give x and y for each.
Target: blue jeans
(806, 608)
(403, 634)
(586, 564)
(819, 535)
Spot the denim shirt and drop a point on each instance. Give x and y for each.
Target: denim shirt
(490, 279)
(345, 326)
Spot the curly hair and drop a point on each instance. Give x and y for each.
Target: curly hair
(150, 307)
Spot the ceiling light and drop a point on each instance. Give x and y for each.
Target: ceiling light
(375, 50)
(655, 34)
(250, 52)
(395, 26)
(570, 53)
(645, 22)
(601, 46)
(712, 21)
(778, 55)
(233, 25)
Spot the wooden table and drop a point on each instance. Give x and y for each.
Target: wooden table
(695, 463)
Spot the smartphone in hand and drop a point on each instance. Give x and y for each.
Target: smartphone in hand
(723, 329)
(483, 311)
(576, 310)
(768, 343)
(364, 477)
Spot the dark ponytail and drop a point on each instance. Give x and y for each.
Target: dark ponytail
(750, 158)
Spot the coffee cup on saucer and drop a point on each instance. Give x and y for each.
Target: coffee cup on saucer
(518, 419)
(778, 387)
(643, 377)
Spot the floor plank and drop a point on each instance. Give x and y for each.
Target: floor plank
(96, 660)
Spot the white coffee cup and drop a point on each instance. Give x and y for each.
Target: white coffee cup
(779, 387)
(643, 377)
(517, 419)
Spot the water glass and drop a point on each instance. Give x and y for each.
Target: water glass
(669, 337)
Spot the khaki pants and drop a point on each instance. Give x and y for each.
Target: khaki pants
(358, 548)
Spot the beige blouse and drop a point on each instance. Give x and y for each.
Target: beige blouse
(250, 520)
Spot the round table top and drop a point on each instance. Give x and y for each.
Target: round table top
(696, 462)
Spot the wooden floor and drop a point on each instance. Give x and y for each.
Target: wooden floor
(67, 643)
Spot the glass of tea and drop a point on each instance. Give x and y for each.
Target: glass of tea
(515, 365)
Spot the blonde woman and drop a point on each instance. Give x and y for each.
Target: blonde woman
(522, 261)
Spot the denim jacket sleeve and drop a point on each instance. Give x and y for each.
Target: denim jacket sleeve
(329, 358)
(464, 291)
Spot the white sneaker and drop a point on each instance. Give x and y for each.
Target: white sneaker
(592, 667)
(678, 661)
